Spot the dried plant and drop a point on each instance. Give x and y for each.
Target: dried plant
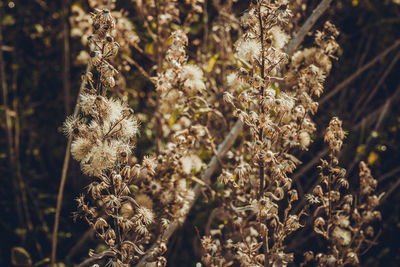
(342, 218)
(258, 194)
(103, 134)
(103, 138)
(134, 208)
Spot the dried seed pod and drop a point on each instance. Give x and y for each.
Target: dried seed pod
(100, 224)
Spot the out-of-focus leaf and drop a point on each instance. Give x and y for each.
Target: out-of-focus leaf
(205, 155)
(64, 234)
(212, 62)
(8, 20)
(39, 28)
(20, 232)
(20, 257)
(174, 116)
(45, 260)
(49, 210)
(277, 89)
(28, 112)
(134, 188)
(361, 149)
(149, 48)
(372, 157)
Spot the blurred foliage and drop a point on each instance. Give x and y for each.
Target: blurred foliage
(33, 49)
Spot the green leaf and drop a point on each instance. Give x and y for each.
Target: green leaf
(205, 155)
(277, 89)
(212, 62)
(149, 48)
(174, 116)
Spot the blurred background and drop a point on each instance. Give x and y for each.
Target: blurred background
(41, 66)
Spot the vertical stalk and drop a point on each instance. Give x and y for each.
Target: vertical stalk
(116, 224)
(260, 136)
(159, 68)
(66, 59)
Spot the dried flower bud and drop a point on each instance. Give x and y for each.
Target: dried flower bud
(318, 191)
(127, 210)
(110, 234)
(352, 258)
(341, 236)
(100, 224)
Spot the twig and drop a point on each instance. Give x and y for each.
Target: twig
(89, 261)
(66, 66)
(378, 112)
(316, 14)
(388, 174)
(142, 71)
(303, 170)
(391, 190)
(159, 61)
(64, 178)
(260, 135)
(366, 50)
(109, 3)
(358, 73)
(116, 224)
(377, 86)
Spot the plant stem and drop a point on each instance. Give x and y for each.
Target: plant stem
(66, 59)
(64, 178)
(260, 135)
(312, 19)
(116, 224)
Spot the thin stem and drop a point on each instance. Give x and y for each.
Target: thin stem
(140, 68)
(157, 114)
(66, 66)
(299, 37)
(64, 171)
(109, 4)
(260, 136)
(359, 71)
(112, 128)
(64, 178)
(116, 224)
